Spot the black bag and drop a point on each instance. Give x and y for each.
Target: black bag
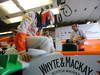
(69, 47)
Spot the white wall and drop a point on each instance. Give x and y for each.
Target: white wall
(92, 31)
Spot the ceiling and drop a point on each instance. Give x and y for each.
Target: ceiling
(73, 11)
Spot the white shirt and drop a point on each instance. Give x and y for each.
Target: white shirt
(74, 35)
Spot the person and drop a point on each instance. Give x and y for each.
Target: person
(47, 34)
(26, 36)
(77, 35)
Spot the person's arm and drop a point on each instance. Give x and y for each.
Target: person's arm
(82, 35)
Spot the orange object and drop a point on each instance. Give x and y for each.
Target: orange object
(21, 41)
(79, 52)
(12, 40)
(7, 39)
(92, 45)
(81, 46)
(63, 41)
(4, 38)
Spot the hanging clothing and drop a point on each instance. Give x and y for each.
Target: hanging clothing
(47, 18)
(38, 20)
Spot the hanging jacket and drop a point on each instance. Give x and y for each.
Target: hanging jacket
(38, 20)
(47, 18)
(28, 27)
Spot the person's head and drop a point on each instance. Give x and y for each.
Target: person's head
(74, 27)
(46, 33)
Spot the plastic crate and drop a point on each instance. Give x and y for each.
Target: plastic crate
(9, 64)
